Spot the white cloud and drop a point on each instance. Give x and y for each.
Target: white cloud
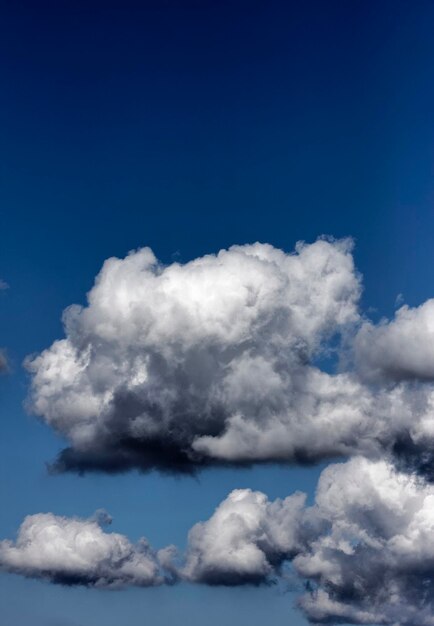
(167, 364)
(364, 549)
(218, 362)
(402, 349)
(375, 564)
(245, 540)
(74, 551)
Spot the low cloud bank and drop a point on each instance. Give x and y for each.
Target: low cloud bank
(363, 552)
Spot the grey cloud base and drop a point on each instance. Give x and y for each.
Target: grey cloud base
(216, 362)
(363, 552)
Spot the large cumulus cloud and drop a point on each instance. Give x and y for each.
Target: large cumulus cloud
(73, 551)
(166, 365)
(229, 359)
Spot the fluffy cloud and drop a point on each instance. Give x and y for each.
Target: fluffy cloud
(232, 359)
(218, 362)
(364, 549)
(246, 539)
(72, 551)
(402, 349)
(211, 361)
(375, 563)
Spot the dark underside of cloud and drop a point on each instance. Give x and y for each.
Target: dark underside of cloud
(126, 455)
(148, 455)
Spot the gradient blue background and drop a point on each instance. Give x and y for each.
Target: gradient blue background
(188, 126)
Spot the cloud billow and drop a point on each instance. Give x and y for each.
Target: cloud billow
(166, 365)
(73, 551)
(218, 361)
(364, 549)
(246, 540)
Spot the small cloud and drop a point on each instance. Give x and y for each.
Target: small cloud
(3, 285)
(85, 554)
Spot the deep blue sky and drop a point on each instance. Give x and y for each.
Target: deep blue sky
(189, 126)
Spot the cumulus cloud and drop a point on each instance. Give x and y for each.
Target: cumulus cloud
(246, 539)
(180, 366)
(228, 359)
(364, 549)
(251, 355)
(72, 551)
(375, 564)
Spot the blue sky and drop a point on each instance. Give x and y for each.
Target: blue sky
(188, 127)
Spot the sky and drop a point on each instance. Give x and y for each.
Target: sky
(189, 127)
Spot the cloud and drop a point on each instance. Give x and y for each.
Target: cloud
(364, 550)
(172, 366)
(402, 349)
(245, 540)
(231, 359)
(252, 355)
(375, 564)
(3, 285)
(72, 551)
